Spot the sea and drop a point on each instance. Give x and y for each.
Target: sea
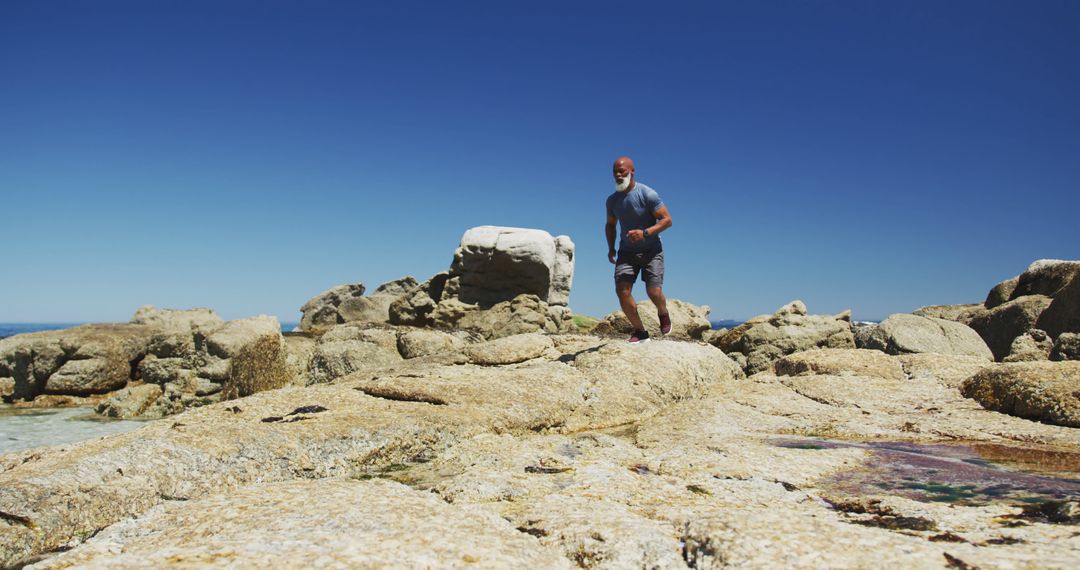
(11, 329)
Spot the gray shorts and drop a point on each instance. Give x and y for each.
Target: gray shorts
(649, 263)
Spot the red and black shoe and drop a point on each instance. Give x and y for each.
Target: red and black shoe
(639, 337)
(665, 324)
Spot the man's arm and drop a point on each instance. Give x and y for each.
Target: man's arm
(609, 232)
(663, 222)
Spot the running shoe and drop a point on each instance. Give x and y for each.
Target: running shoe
(665, 324)
(639, 337)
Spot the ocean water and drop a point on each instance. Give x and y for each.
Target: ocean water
(11, 329)
(26, 428)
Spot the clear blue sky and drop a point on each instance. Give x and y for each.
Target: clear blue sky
(247, 155)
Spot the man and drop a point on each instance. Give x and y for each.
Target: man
(641, 216)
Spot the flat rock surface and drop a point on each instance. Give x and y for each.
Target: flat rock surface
(335, 523)
(1044, 391)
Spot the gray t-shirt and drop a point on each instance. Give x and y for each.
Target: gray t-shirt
(635, 211)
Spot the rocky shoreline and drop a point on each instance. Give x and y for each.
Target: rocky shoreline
(465, 420)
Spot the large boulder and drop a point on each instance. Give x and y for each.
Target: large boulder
(841, 362)
(349, 348)
(261, 364)
(508, 350)
(1035, 344)
(130, 402)
(321, 311)
(185, 319)
(1001, 293)
(503, 281)
(495, 264)
(1063, 314)
(958, 313)
(688, 322)
(789, 330)
(905, 334)
(522, 314)
(88, 359)
(1043, 391)
(1000, 325)
(1046, 277)
(1066, 347)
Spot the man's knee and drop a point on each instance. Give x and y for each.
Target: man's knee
(624, 289)
(655, 292)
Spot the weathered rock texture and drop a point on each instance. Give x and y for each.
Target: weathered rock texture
(1043, 391)
(1045, 297)
(906, 334)
(89, 359)
(503, 281)
(687, 321)
(335, 523)
(1066, 347)
(189, 355)
(591, 454)
(347, 304)
(764, 339)
(958, 313)
(1035, 344)
(406, 412)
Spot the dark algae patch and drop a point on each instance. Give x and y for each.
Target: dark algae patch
(975, 474)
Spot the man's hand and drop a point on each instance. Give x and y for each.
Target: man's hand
(635, 235)
(611, 256)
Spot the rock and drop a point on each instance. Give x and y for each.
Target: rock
(795, 307)
(299, 349)
(411, 412)
(905, 334)
(496, 264)
(1000, 325)
(347, 348)
(397, 287)
(1066, 347)
(765, 339)
(321, 311)
(7, 389)
(258, 365)
(687, 321)
(200, 319)
(130, 402)
(227, 341)
(414, 308)
(84, 360)
(1043, 391)
(1046, 277)
(1001, 293)
(161, 370)
(417, 343)
(1063, 314)
(524, 314)
(867, 336)
(958, 313)
(948, 370)
(335, 523)
(1032, 345)
(508, 350)
(498, 273)
(841, 361)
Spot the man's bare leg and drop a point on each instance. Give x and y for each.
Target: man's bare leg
(629, 305)
(656, 294)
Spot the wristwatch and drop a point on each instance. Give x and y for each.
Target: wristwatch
(645, 232)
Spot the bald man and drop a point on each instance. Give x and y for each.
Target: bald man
(641, 216)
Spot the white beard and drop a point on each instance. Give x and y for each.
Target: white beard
(625, 184)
